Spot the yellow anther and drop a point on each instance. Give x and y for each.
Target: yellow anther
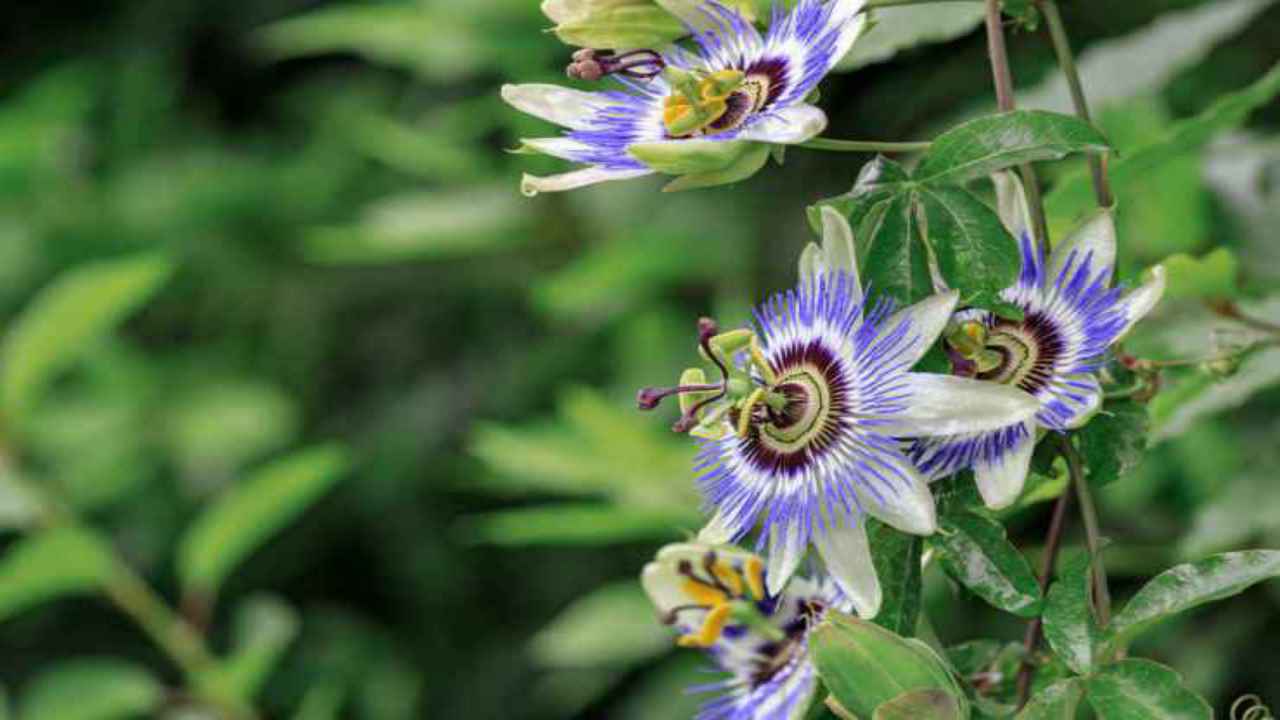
(703, 594)
(720, 85)
(754, 574)
(728, 577)
(744, 416)
(976, 332)
(712, 627)
(761, 363)
(697, 103)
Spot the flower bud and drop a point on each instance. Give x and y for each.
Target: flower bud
(634, 23)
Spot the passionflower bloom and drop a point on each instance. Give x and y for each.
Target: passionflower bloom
(1071, 316)
(718, 600)
(800, 435)
(708, 114)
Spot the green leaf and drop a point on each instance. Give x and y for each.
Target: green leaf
(66, 318)
(922, 705)
(896, 263)
(864, 665)
(91, 689)
(896, 556)
(612, 626)
(251, 512)
(1213, 275)
(1190, 585)
(265, 626)
(894, 29)
(52, 563)
(1136, 689)
(1059, 701)
(980, 147)
(878, 180)
(1114, 442)
(1069, 625)
(975, 253)
(1073, 195)
(974, 550)
(579, 524)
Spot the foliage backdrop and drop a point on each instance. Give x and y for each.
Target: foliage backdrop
(332, 269)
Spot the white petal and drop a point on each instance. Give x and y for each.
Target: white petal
(851, 27)
(1071, 401)
(664, 585)
(1000, 482)
(909, 507)
(561, 147)
(847, 553)
(1143, 299)
(1011, 205)
(531, 185)
(927, 318)
(789, 126)
(717, 531)
(836, 253)
(785, 552)
(560, 105)
(1095, 239)
(948, 405)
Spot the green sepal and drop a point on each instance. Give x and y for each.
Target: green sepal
(743, 167)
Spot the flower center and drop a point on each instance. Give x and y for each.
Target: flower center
(709, 103)
(1023, 354)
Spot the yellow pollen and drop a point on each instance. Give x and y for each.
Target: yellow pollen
(744, 416)
(728, 577)
(754, 574)
(703, 594)
(712, 627)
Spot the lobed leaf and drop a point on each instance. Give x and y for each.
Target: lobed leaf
(975, 252)
(1213, 275)
(1059, 701)
(1069, 625)
(922, 705)
(974, 550)
(896, 263)
(1114, 442)
(1135, 689)
(248, 515)
(983, 146)
(1190, 585)
(896, 556)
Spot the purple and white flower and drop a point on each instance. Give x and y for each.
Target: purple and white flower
(802, 436)
(716, 597)
(758, 96)
(1072, 314)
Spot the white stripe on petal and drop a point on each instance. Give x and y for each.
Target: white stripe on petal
(1000, 481)
(1069, 402)
(789, 126)
(1143, 299)
(847, 553)
(947, 405)
(786, 549)
(561, 147)
(927, 319)
(1095, 239)
(907, 506)
(531, 185)
(560, 105)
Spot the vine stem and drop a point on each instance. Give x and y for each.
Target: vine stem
(1052, 543)
(1067, 61)
(834, 145)
(1092, 534)
(1003, 77)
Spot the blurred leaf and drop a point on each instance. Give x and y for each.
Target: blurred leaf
(216, 426)
(1145, 60)
(1203, 396)
(896, 556)
(264, 628)
(66, 318)
(982, 146)
(615, 625)
(19, 508)
(91, 689)
(665, 691)
(580, 524)
(1072, 197)
(1114, 441)
(975, 253)
(1247, 505)
(1210, 276)
(974, 550)
(425, 225)
(51, 563)
(864, 665)
(894, 29)
(1190, 585)
(248, 514)
(922, 705)
(1069, 625)
(1136, 689)
(1059, 701)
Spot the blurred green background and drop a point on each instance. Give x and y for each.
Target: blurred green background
(352, 265)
